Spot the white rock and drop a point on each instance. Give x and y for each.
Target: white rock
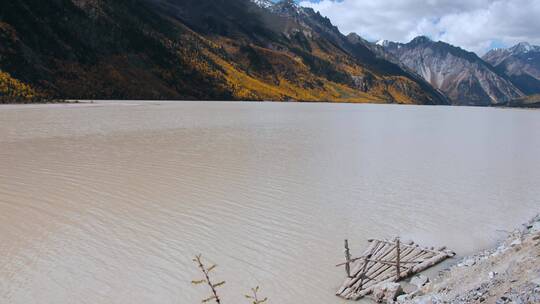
(403, 298)
(408, 287)
(387, 292)
(419, 280)
(535, 227)
(515, 243)
(428, 299)
(492, 274)
(469, 262)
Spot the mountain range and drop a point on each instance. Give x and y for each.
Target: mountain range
(235, 50)
(521, 63)
(464, 77)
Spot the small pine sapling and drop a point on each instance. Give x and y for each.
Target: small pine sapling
(254, 297)
(206, 272)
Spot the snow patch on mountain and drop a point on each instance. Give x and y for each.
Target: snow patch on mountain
(263, 3)
(382, 43)
(524, 47)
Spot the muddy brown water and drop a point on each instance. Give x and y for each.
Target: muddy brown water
(108, 202)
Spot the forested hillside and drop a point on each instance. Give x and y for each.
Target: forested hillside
(186, 49)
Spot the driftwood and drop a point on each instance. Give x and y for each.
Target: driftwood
(385, 261)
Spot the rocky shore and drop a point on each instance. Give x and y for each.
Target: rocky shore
(508, 273)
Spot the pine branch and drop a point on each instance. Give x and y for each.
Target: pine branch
(212, 286)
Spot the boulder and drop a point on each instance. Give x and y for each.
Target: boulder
(403, 298)
(409, 297)
(427, 299)
(408, 287)
(470, 262)
(387, 292)
(419, 280)
(535, 227)
(516, 244)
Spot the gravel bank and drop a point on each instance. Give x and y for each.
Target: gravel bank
(509, 273)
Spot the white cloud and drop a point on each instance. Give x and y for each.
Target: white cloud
(475, 25)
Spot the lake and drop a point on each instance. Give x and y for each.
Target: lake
(108, 202)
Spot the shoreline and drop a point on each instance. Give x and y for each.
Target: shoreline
(119, 101)
(509, 272)
(44, 102)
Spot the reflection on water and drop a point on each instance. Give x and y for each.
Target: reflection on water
(107, 203)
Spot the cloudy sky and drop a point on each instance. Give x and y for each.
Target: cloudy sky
(475, 25)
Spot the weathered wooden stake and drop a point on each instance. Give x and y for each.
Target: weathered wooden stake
(398, 275)
(363, 274)
(348, 259)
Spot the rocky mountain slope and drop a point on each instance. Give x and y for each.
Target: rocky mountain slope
(463, 76)
(194, 49)
(530, 101)
(521, 63)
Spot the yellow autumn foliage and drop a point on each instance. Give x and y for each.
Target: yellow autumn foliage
(249, 86)
(11, 87)
(287, 77)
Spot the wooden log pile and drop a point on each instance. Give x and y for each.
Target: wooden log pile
(386, 261)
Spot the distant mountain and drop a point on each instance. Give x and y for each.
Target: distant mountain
(194, 49)
(263, 3)
(379, 49)
(463, 76)
(521, 63)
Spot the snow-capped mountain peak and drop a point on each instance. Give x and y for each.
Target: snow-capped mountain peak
(524, 47)
(263, 3)
(382, 42)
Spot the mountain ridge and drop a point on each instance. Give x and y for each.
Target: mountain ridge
(521, 63)
(462, 75)
(240, 50)
(172, 49)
